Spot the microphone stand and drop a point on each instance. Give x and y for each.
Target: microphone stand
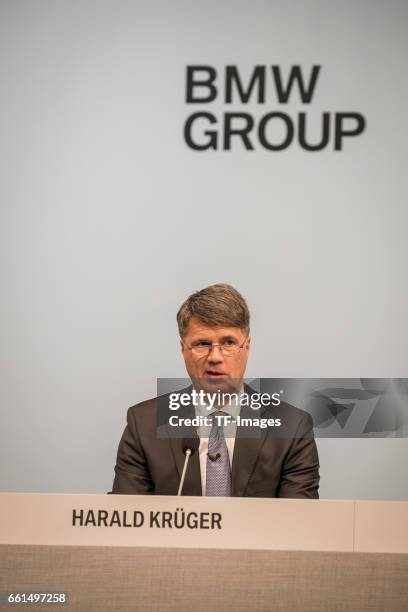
(188, 454)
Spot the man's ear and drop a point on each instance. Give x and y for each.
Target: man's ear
(248, 343)
(181, 345)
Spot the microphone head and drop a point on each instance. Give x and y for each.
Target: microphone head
(214, 457)
(190, 444)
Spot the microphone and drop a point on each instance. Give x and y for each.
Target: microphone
(189, 446)
(214, 457)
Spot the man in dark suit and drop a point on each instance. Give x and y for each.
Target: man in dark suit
(251, 461)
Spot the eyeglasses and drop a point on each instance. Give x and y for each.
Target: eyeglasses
(229, 348)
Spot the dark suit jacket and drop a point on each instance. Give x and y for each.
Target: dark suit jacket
(279, 462)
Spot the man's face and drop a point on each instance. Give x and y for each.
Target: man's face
(216, 370)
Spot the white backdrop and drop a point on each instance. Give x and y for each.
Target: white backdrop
(109, 220)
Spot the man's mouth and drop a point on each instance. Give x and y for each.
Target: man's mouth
(215, 374)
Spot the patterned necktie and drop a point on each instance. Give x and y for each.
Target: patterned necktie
(218, 477)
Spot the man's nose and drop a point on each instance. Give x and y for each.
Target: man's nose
(215, 355)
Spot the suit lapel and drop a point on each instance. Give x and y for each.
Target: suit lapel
(248, 443)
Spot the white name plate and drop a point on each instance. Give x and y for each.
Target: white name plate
(176, 522)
